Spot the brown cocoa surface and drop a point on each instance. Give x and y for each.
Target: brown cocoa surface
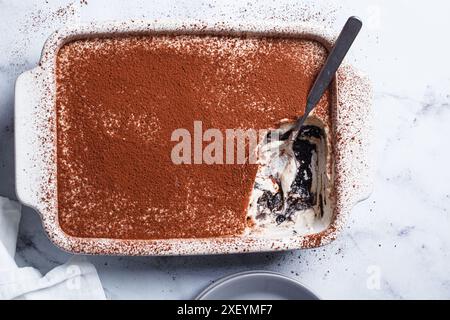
(119, 100)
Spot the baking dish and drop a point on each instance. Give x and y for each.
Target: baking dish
(35, 138)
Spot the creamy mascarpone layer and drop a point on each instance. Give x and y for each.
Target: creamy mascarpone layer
(278, 168)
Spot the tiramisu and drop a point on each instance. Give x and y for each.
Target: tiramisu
(119, 102)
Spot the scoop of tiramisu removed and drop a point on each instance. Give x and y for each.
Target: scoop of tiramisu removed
(136, 117)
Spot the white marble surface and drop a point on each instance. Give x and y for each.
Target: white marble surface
(399, 236)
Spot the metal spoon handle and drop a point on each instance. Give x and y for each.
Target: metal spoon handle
(334, 60)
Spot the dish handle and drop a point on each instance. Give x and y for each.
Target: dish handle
(29, 117)
(366, 144)
(356, 128)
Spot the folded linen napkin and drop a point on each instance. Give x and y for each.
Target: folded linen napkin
(76, 279)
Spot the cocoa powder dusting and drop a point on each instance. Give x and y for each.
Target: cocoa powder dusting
(118, 100)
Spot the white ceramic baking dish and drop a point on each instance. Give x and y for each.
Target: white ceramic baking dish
(35, 139)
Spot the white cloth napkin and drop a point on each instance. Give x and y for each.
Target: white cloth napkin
(76, 279)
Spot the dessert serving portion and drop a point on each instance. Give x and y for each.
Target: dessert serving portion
(120, 99)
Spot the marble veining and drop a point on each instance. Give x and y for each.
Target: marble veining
(396, 244)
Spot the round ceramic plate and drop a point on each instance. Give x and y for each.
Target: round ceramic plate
(257, 285)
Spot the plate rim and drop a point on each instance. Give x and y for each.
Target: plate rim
(242, 274)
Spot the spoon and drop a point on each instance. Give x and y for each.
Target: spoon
(326, 75)
(334, 60)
